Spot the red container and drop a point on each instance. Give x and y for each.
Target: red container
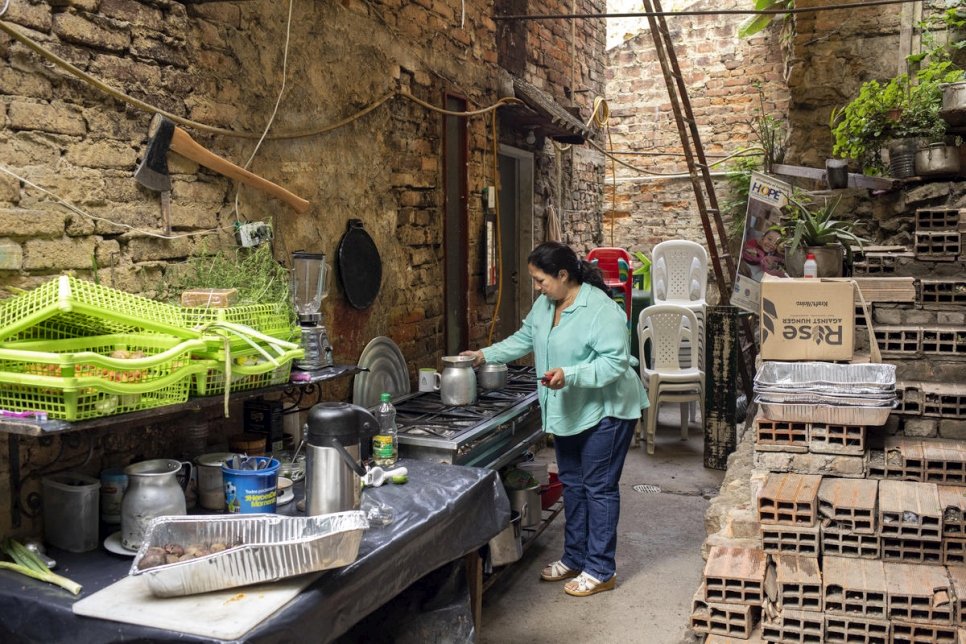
(550, 494)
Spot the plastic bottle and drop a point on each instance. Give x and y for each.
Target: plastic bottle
(811, 266)
(385, 444)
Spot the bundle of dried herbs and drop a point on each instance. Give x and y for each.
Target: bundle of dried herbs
(254, 272)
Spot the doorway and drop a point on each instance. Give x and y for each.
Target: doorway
(516, 237)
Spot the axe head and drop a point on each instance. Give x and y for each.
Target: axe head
(152, 173)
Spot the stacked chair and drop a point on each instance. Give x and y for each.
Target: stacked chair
(679, 275)
(675, 322)
(669, 328)
(615, 264)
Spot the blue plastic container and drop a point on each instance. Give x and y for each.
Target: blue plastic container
(251, 491)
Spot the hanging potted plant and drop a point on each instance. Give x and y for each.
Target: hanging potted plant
(811, 228)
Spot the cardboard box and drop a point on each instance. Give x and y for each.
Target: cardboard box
(806, 319)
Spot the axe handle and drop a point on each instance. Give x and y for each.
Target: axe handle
(183, 144)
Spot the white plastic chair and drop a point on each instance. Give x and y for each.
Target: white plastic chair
(679, 275)
(667, 327)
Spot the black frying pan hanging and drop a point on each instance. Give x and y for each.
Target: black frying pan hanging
(360, 269)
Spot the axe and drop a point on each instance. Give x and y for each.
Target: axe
(152, 173)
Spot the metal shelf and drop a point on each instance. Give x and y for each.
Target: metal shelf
(16, 428)
(528, 535)
(36, 428)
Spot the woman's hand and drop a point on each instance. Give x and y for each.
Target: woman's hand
(553, 379)
(477, 356)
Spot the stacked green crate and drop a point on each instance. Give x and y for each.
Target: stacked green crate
(88, 377)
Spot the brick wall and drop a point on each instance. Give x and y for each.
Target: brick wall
(719, 71)
(221, 64)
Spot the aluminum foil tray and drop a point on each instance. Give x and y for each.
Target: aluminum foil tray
(812, 398)
(831, 414)
(272, 547)
(828, 376)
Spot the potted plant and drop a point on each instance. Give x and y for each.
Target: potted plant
(808, 227)
(901, 114)
(861, 128)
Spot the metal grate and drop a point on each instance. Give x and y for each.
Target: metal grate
(647, 489)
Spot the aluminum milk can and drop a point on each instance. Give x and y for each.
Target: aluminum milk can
(457, 384)
(152, 491)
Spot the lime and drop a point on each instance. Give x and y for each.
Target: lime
(399, 479)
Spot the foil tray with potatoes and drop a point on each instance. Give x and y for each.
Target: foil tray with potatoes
(244, 549)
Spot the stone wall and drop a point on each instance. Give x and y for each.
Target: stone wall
(221, 64)
(720, 72)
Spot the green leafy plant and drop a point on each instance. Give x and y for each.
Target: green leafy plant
(806, 223)
(255, 273)
(772, 132)
(952, 22)
(754, 24)
(642, 274)
(898, 108)
(906, 106)
(734, 206)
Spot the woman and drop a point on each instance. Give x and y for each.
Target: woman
(590, 400)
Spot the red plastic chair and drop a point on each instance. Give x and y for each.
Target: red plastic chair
(615, 264)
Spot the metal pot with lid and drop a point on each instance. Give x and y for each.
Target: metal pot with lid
(457, 383)
(337, 443)
(493, 375)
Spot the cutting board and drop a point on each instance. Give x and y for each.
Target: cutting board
(226, 614)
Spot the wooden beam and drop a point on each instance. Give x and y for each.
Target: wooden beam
(855, 180)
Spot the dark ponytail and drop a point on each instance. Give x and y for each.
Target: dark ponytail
(552, 257)
(592, 275)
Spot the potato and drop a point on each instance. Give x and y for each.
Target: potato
(174, 549)
(151, 560)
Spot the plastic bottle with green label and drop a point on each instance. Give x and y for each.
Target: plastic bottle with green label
(385, 444)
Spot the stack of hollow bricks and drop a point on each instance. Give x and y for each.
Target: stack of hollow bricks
(863, 534)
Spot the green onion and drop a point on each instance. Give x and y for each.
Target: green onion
(28, 563)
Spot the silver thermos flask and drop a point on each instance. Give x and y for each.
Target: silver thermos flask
(337, 444)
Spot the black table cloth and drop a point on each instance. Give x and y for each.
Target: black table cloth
(443, 513)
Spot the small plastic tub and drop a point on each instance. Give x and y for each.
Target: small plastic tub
(550, 494)
(71, 504)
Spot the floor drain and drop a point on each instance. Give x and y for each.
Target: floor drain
(647, 489)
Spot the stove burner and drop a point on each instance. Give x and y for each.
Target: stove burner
(424, 414)
(427, 430)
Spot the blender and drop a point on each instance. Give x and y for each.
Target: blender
(310, 285)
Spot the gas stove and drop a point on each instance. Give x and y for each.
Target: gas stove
(491, 432)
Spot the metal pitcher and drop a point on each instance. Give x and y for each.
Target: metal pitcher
(457, 383)
(152, 491)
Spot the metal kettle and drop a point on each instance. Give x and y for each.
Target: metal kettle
(336, 444)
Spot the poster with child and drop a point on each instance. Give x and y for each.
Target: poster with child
(761, 249)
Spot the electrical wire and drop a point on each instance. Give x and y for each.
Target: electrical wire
(701, 12)
(56, 60)
(82, 213)
(278, 101)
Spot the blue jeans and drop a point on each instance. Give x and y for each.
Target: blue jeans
(590, 465)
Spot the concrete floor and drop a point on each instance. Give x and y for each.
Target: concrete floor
(659, 562)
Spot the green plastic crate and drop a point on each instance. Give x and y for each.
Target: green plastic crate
(69, 307)
(270, 319)
(77, 379)
(247, 375)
